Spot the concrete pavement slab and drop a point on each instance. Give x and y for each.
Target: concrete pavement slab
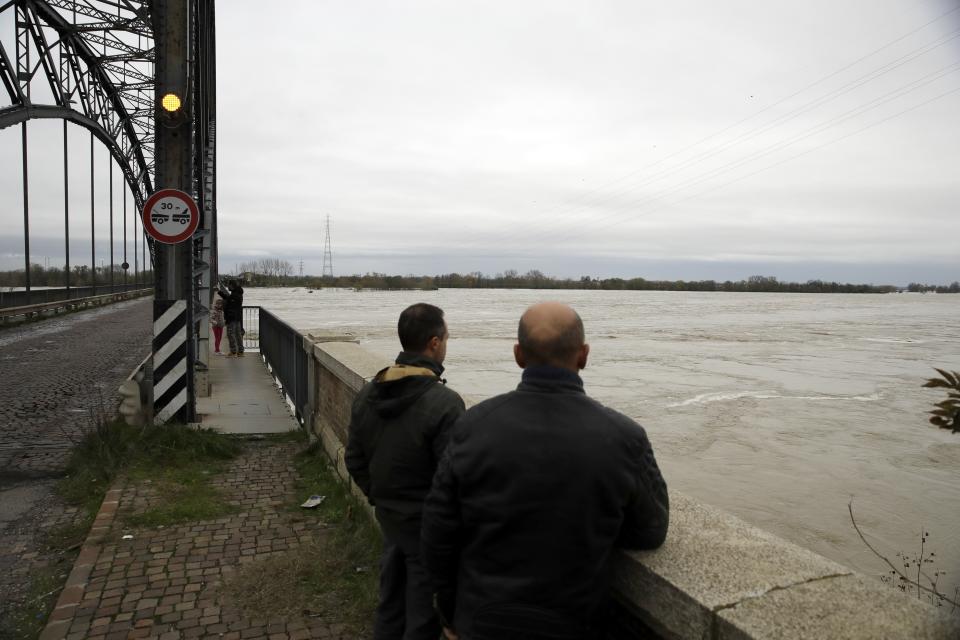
(244, 398)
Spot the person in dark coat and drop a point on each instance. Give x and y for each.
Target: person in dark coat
(398, 430)
(233, 314)
(536, 490)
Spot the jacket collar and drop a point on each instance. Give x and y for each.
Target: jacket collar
(550, 379)
(419, 360)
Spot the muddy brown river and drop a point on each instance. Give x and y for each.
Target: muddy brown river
(780, 408)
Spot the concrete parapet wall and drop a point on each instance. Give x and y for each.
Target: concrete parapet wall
(716, 577)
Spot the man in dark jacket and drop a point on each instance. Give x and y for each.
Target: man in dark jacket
(535, 491)
(233, 316)
(398, 430)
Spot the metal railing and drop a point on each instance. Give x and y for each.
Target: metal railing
(27, 312)
(282, 349)
(38, 296)
(251, 328)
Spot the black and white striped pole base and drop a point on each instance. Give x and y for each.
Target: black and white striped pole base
(169, 358)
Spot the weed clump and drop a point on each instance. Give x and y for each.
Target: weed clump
(110, 447)
(333, 576)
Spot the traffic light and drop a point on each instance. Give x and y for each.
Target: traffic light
(172, 108)
(171, 103)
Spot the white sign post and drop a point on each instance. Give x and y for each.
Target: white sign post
(170, 216)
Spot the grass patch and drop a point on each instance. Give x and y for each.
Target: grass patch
(95, 462)
(183, 494)
(70, 536)
(333, 577)
(26, 620)
(178, 460)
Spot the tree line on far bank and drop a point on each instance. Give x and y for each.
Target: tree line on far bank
(80, 276)
(535, 279)
(278, 273)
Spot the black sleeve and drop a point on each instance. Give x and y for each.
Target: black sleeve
(439, 535)
(355, 458)
(445, 424)
(647, 516)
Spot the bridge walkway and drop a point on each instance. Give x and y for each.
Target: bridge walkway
(243, 398)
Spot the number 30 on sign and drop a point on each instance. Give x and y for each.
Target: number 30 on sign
(170, 216)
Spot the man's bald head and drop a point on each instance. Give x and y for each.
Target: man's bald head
(551, 333)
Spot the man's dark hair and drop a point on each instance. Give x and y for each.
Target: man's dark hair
(557, 351)
(418, 324)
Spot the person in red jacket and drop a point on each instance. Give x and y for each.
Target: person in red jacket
(217, 322)
(536, 489)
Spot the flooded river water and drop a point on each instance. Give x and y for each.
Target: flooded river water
(780, 408)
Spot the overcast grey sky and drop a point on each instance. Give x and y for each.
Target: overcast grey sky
(666, 140)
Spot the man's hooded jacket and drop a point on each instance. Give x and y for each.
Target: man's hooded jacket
(398, 431)
(232, 304)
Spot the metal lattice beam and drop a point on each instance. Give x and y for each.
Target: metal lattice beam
(95, 59)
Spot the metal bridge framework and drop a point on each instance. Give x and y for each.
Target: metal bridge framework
(94, 63)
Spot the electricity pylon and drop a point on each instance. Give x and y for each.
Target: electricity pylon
(327, 254)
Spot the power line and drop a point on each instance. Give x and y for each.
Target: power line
(819, 128)
(652, 209)
(570, 210)
(811, 150)
(778, 102)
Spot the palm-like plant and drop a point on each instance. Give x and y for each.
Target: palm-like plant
(947, 413)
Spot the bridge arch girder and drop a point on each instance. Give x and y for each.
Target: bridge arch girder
(83, 53)
(15, 115)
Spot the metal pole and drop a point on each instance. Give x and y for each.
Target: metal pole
(66, 208)
(126, 265)
(93, 244)
(110, 191)
(26, 212)
(173, 264)
(136, 247)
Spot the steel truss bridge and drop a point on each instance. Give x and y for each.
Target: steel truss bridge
(91, 63)
(96, 64)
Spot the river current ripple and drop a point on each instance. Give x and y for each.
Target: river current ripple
(780, 408)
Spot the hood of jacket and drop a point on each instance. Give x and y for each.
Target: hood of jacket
(398, 386)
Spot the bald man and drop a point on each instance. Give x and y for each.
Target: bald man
(534, 492)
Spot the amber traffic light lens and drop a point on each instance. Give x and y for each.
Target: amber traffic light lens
(170, 102)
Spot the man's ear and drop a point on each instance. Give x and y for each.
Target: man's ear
(582, 356)
(519, 357)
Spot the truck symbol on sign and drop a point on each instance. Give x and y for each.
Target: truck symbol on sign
(182, 217)
(159, 218)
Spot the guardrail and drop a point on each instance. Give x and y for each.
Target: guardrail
(282, 349)
(251, 327)
(39, 296)
(28, 312)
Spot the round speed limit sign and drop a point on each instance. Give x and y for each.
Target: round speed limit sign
(170, 216)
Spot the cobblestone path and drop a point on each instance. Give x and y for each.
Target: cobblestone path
(53, 373)
(165, 582)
